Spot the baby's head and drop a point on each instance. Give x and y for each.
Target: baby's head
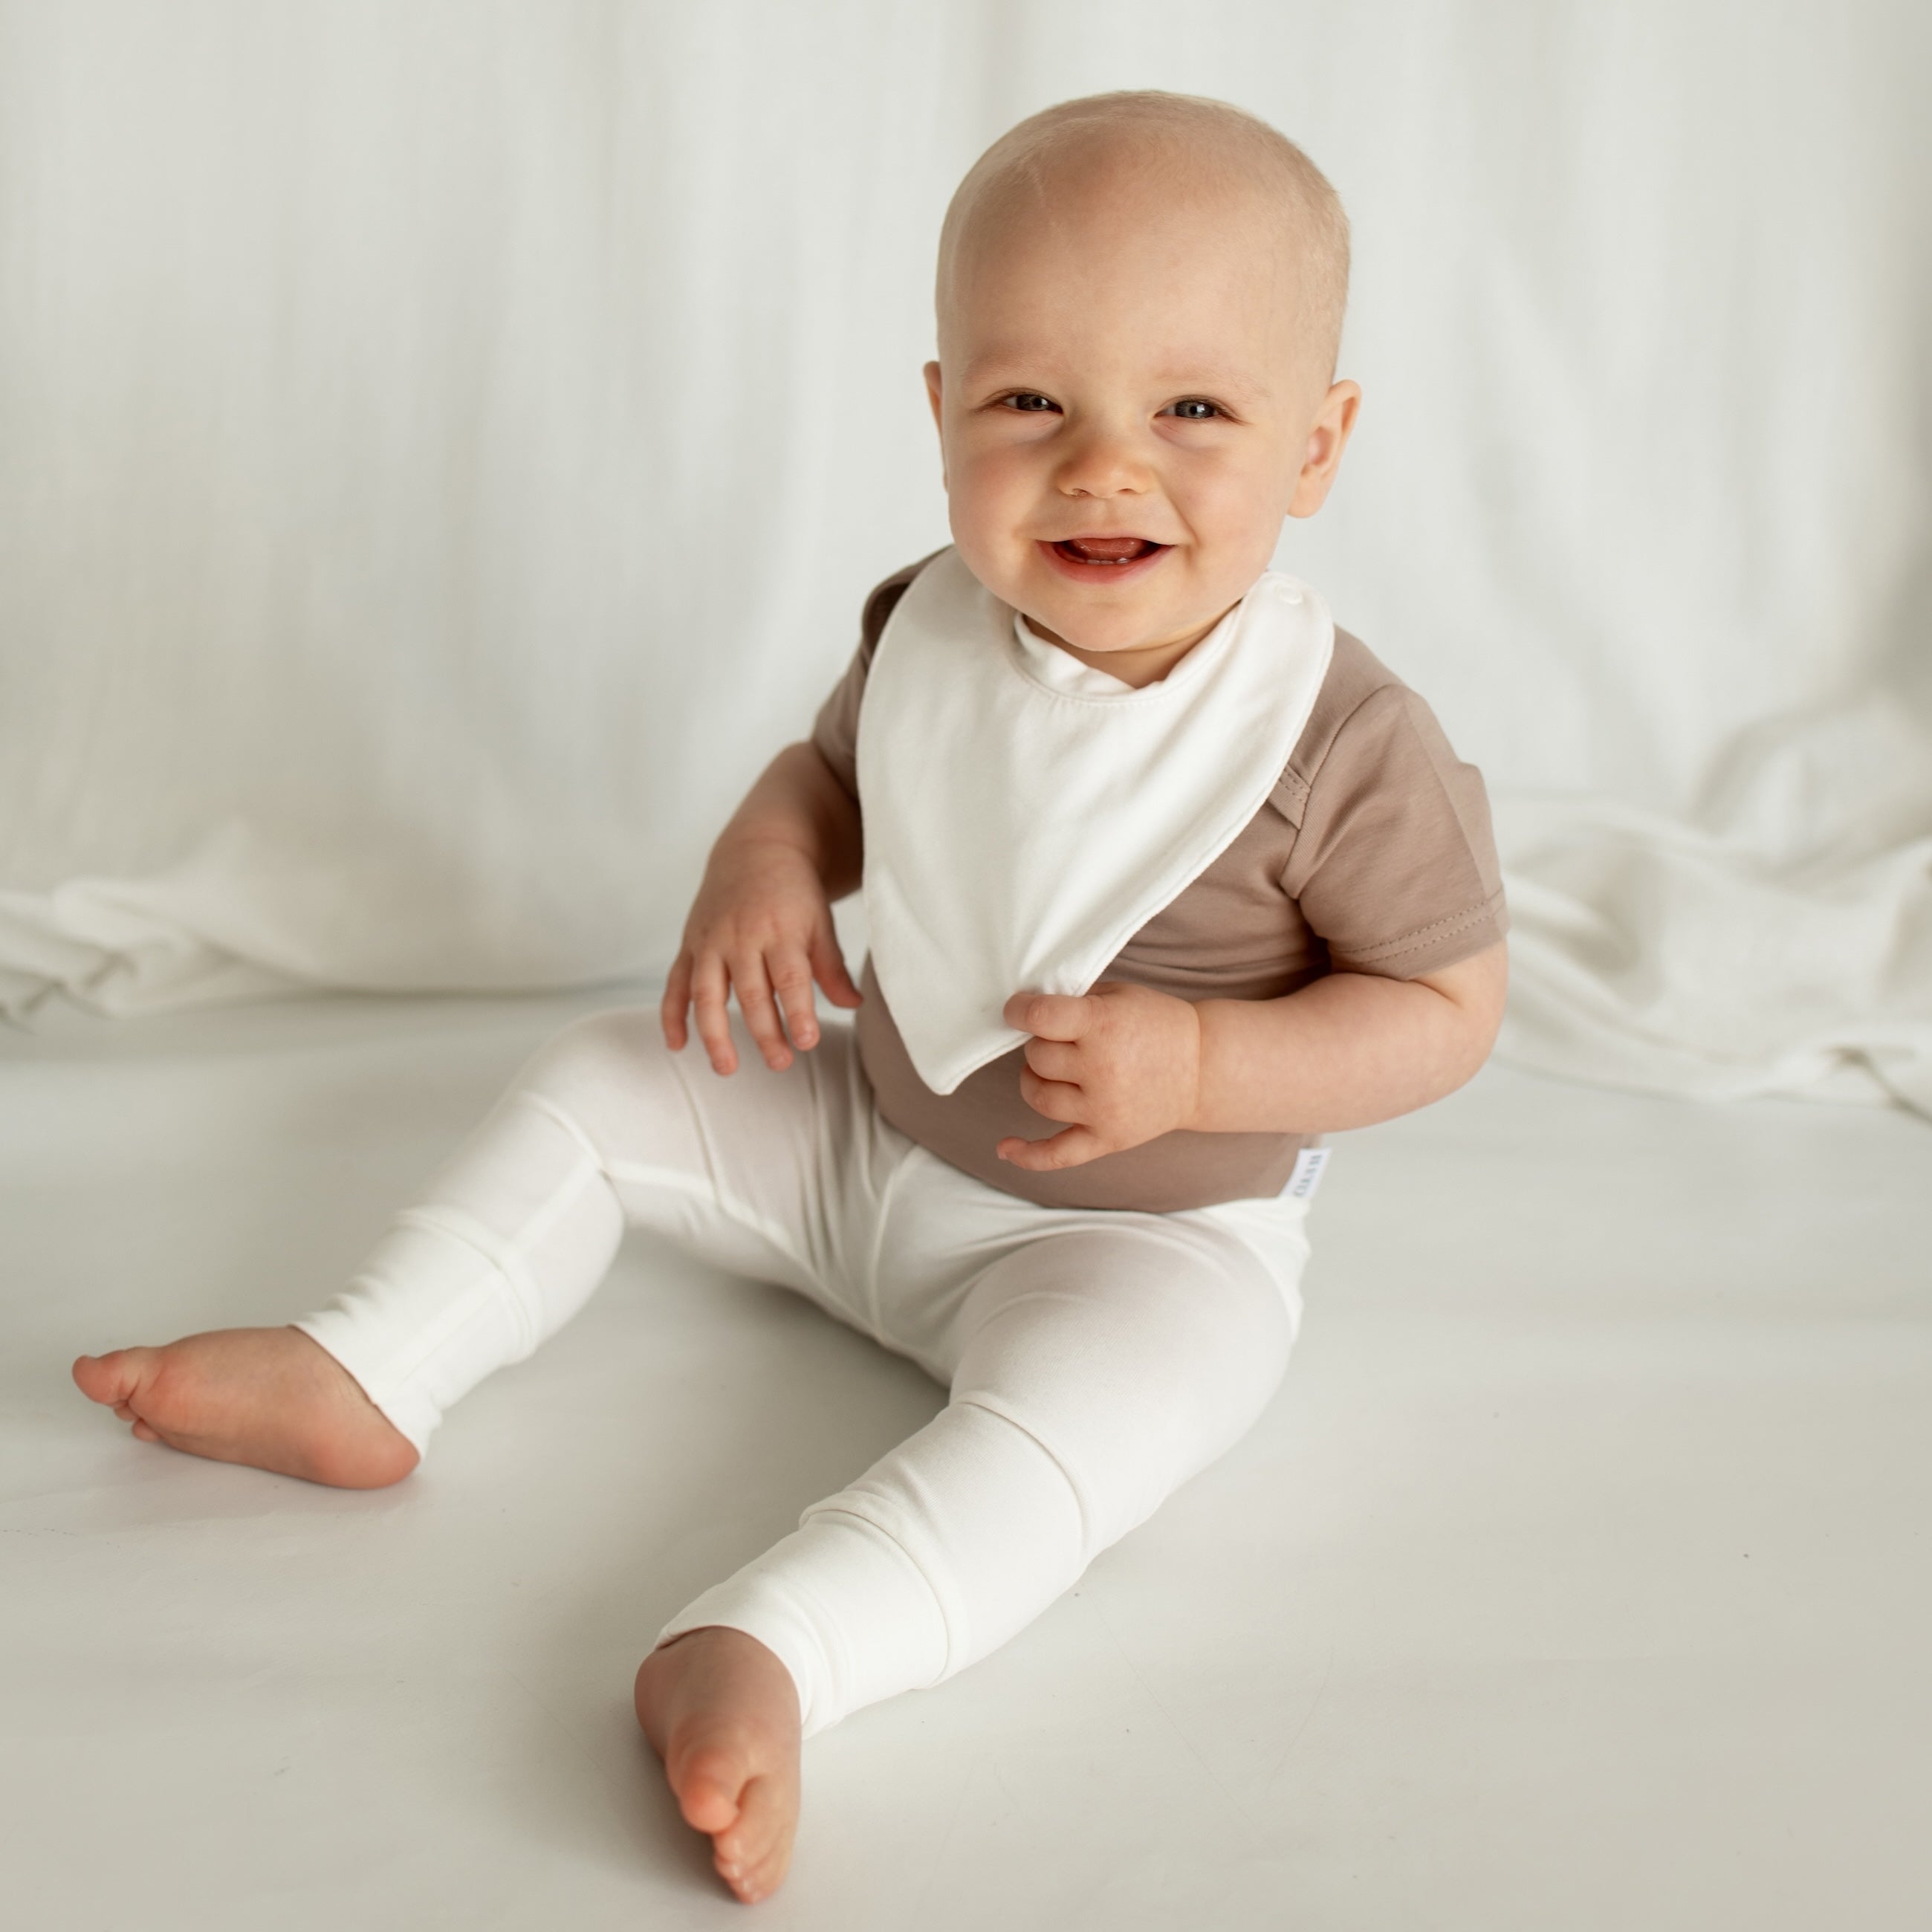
(1140, 298)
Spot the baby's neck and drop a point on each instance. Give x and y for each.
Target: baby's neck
(1137, 665)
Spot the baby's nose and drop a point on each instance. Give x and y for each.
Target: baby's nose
(1105, 463)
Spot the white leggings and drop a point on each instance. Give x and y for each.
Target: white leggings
(1096, 1358)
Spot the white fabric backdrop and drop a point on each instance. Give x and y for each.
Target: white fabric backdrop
(442, 447)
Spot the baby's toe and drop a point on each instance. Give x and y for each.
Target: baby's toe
(760, 1880)
(754, 1852)
(112, 1378)
(708, 1785)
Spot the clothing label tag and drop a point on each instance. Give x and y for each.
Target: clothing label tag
(1309, 1165)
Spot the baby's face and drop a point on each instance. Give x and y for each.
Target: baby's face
(1126, 416)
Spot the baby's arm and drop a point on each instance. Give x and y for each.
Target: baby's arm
(762, 920)
(1125, 1064)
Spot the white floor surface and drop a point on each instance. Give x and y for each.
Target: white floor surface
(1579, 1579)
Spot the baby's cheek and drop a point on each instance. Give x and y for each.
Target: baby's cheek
(976, 536)
(1238, 508)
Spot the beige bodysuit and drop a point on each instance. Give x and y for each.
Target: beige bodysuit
(1373, 854)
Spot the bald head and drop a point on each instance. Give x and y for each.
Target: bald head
(1176, 155)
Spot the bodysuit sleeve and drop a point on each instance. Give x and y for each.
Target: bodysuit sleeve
(835, 729)
(1395, 866)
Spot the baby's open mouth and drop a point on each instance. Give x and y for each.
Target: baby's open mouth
(1106, 550)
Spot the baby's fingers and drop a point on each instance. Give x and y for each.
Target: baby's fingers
(828, 966)
(677, 1002)
(761, 1013)
(1057, 1100)
(1059, 1062)
(709, 990)
(1052, 1015)
(791, 981)
(1072, 1147)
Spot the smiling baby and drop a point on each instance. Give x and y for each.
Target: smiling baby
(1165, 877)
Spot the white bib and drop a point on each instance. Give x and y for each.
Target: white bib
(1024, 817)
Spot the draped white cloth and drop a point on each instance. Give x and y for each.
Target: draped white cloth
(442, 448)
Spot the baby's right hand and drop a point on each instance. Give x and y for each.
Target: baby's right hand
(760, 923)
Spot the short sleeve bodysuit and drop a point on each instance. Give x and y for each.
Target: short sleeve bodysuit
(1372, 854)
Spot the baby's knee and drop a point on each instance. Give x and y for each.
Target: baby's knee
(1156, 1328)
(1144, 1404)
(617, 1050)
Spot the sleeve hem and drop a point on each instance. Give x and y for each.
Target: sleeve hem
(1428, 948)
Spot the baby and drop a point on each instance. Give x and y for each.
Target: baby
(1165, 877)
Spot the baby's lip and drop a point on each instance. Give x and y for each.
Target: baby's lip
(1105, 550)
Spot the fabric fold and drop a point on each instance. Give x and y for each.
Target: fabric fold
(1779, 941)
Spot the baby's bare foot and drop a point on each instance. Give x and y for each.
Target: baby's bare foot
(269, 1397)
(721, 1711)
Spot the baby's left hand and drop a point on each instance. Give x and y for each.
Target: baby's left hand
(1122, 1064)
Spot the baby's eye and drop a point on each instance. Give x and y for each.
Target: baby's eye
(1194, 409)
(1030, 401)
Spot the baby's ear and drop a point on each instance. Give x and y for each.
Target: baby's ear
(1327, 437)
(932, 396)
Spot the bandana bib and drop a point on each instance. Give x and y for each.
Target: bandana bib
(1025, 816)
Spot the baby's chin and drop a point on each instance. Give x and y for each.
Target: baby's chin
(1155, 601)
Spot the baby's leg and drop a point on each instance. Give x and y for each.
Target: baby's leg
(601, 1125)
(763, 1174)
(1097, 1369)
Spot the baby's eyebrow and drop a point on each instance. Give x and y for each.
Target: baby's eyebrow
(1192, 378)
(1007, 365)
